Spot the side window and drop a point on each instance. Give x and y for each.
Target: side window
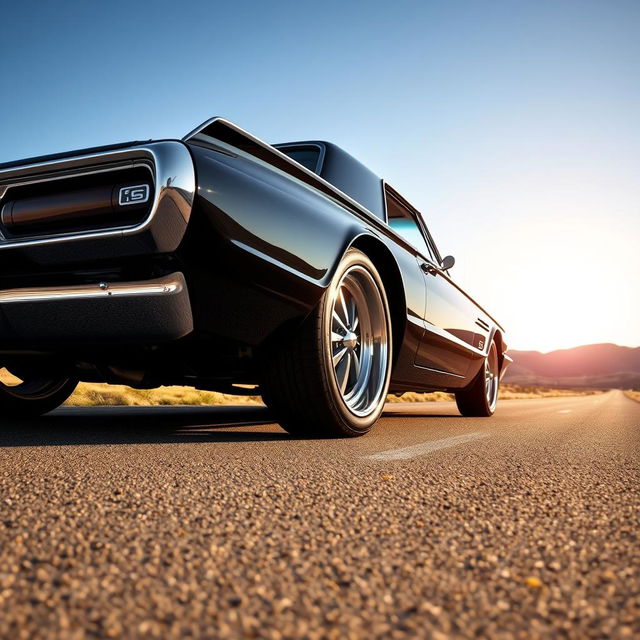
(403, 222)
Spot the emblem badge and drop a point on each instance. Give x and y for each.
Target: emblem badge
(137, 194)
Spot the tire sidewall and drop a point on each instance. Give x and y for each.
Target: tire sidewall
(14, 405)
(353, 423)
(493, 349)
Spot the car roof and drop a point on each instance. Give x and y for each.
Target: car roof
(346, 173)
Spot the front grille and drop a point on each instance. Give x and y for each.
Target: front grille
(107, 197)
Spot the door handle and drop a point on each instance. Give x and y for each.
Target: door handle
(429, 268)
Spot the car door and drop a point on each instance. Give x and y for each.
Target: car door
(457, 331)
(452, 339)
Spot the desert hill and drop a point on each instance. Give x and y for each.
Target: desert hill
(594, 365)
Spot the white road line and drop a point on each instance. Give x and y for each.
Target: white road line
(565, 411)
(425, 447)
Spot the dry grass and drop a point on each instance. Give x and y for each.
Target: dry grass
(99, 394)
(507, 392)
(109, 395)
(517, 392)
(634, 395)
(411, 396)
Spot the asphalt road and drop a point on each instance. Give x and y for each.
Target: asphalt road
(197, 522)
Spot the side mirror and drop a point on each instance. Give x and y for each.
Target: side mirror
(447, 263)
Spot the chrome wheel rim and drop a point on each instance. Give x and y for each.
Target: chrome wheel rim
(359, 341)
(491, 377)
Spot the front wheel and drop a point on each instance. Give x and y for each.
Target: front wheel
(29, 394)
(480, 398)
(331, 378)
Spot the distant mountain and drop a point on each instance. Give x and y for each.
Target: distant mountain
(594, 365)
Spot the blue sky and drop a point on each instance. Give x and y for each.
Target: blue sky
(513, 125)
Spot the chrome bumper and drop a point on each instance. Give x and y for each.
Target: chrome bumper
(146, 311)
(163, 286)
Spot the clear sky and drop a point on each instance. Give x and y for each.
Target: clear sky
(514, 126)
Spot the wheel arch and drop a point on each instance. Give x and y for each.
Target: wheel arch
(500, 343)
(385, 262)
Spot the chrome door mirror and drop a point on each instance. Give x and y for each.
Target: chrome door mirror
(447, 263)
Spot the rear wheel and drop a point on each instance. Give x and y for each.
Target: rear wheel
(481, 396)
(30, 393)
(332, 377)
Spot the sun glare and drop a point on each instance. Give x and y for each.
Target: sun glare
(563, 283)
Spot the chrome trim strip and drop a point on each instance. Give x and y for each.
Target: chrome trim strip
(175, 182)
(383, 184)
(450, 337)
(444, 373)
(21, 181)
(167, 285)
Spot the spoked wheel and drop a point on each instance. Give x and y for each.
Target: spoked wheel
(332, 378)
(359, 340)
(29, 393)
(481, 397)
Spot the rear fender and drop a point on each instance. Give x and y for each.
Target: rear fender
(406, 293)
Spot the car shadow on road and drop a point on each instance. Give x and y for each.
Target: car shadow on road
(420, 411)
(141, 425)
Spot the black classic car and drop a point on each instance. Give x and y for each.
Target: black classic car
(225, 263)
